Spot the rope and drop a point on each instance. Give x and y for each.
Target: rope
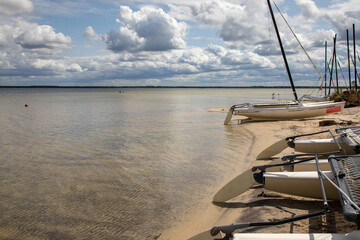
(338, 62)
(330, 74)
(299, 42)
(357, 73)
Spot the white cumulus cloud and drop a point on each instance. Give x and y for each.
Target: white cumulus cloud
(11, 7)
(89, 33)
(43, 37)
(148, 29)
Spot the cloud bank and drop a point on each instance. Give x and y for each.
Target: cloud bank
(151, 44)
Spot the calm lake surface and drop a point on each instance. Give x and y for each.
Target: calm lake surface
(99, 164)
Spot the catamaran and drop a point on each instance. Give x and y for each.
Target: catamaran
(334, 177)
(341, 183)
(348, 139)
(306, 175)
(283, 111)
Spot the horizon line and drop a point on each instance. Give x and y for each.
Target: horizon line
(150, 86)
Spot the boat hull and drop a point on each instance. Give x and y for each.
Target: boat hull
(206, 235)
(303, 184)
(302, 167)
(297, 236)
(289, 111)
(322, 146)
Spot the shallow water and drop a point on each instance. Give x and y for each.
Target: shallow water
(99, 164)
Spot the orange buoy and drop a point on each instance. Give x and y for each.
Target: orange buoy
(26, 105)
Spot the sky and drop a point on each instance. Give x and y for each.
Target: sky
(172, 42)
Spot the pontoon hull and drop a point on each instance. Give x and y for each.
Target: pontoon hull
(297, 236)
(303, 184)
(302, 167)
(321, 146)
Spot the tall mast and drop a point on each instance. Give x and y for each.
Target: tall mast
(336, 63)
(348, 54)
(326, 65)
(283, 52)
(355, 72)
(332, 65)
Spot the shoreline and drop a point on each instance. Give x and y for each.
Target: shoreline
(259, 205)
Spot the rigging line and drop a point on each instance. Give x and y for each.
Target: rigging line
(299, 42)
(357, 72)
(338, 62)
(331, 77)
(326, 70)
(332, 80)
(330, 73)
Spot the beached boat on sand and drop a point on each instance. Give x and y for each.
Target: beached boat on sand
(336, 178)
(279, 171)
(341, 183)
(207, 235)
(297, 178)
(347, 139)
(344, 179)
(285, 111)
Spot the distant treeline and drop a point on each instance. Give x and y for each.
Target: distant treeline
(49, 86)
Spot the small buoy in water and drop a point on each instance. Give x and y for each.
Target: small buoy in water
(26, 105)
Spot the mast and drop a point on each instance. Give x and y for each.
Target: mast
(332, 65)
(282, 51)
(336, 63)
(348, 53)
(326, 66)
(354, 57)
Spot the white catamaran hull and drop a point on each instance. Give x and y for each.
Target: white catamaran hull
(322, 146)
(280, 236)
(348, 140)
(245, 180)
(302, 167)
(297, 236)
(303, 184)
(289, 111)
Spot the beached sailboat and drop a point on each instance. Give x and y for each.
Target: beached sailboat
(302, 178)
(341, 183)
(348, 139)
(300, 174)
(284, 111)
(281, 111)
(207, 235)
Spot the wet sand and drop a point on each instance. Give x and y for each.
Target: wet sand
(260, 205)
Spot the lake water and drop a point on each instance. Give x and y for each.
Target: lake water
(99, 164)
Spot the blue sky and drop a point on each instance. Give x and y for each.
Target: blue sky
(169, 43)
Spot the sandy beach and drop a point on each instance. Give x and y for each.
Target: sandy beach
(259, 205)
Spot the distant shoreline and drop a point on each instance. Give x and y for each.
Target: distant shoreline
(45, 86)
